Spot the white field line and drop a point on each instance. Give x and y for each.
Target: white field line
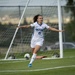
(59, 67)
(43, 58)
(11, 62)
(12, 59)
(20, 60)
(2, 61)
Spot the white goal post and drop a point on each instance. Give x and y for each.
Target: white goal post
(16, 30)
(60, 28)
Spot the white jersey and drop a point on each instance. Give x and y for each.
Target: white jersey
(38, 30)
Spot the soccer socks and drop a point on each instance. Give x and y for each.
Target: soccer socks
(32, 58)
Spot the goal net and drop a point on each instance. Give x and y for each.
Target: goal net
(21, 38)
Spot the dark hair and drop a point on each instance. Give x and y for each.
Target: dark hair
(36, 17)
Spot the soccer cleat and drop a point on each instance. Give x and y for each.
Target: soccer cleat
(29, 65)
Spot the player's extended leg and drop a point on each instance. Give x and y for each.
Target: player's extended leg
(38, 57)
(37, 47)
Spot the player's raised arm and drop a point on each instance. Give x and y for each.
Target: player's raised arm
(54, 29)
(25, 26)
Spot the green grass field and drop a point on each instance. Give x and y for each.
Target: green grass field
(65, 66)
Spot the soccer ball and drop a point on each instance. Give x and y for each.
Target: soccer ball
(27, 56)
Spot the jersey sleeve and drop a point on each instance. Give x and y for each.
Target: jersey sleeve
(47, 26)
(32, 25)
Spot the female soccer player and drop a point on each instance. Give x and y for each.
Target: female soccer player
(38, 36)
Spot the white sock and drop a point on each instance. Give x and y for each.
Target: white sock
(32, 58)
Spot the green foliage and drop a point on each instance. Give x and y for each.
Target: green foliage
(25, 22)
(71, 7)
(70, 31)
(5, 43)
(70, 27)
(3, 27)
(7, 32)
(51, 36)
